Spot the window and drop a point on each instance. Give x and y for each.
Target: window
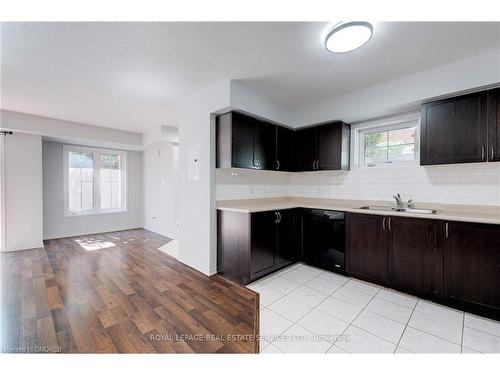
(94, 181)
(386, 141)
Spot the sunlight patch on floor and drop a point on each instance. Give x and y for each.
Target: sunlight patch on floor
(91, 244)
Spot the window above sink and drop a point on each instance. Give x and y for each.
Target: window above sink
(386, 141)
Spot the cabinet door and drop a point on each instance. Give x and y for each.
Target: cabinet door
(454, 130)
(305, 149)
(416, 255)
(284, 149)
(472, 265)
(494, 125)
(330, 146)
(242, 141)
(264, 145)
(287, 238)
(263, 243)
(367, 247)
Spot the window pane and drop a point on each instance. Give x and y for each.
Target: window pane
(111, 181)
(376, 139)
(401, 152)
(80, 181)
(402, 136)
(106, 195)
(375, 155)
(116, 197)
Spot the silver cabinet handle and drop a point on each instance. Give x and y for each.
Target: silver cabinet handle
(276, 221)
(492, 152)
(389, 225)
(317, 165)
(383, 223)
(314, 165)
(277, 164)
(446, 230)
(279, 217)
(482, 152)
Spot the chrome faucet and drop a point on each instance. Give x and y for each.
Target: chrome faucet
(399, 202)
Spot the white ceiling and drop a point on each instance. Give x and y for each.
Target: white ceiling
(128, 75)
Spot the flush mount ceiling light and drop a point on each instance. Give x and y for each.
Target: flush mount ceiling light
(345, 37)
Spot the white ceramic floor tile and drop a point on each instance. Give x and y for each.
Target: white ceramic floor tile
(397, 297)
(324, 285)
(311, 269)
(401, 350)
(352, 296)
(390, 310)
(482, 324)
(266, 294)
(439, 310)
(480, 341)
(379, 326)
(301, 275)
(281, 285)
(359, 341)
(469, 351)
(308, 296)
(420, 342)
(340, 309)
(363, 287)
(299, 340)
(334, 277)
(272, 325)
(323, 324)
(336, 350)
(271, 349)
(290, 308)
(445, 328)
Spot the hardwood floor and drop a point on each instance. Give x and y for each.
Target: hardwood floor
(115, 292)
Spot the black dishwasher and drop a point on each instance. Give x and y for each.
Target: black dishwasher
(323, 239)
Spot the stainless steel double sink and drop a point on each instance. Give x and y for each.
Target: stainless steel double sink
(409, 210)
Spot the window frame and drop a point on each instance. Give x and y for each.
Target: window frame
(96, 191)
(386, 124)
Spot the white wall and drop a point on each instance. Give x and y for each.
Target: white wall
(56, 225)
(23, 191)
(160, 171)
(197, 239)
(71, 132)
(405, 94)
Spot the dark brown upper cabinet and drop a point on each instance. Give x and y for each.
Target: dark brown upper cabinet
(264, 145)
(323, 147)
(472, 266)
(454, 130)
(494, 125)
(247, 142)
(415, 262)
(284, 149)
(306, 144)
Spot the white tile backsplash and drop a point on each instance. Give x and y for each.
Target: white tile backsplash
(475, 183)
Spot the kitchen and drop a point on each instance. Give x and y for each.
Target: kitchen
(438, 249)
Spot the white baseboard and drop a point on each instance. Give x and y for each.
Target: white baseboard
(29, 247)
(64, 235)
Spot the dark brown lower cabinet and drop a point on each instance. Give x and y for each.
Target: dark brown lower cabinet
(472, 267)
(253, 245)
(415, 257)
(263, 243)
(367, 247)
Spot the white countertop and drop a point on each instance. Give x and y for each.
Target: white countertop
(451, 212)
